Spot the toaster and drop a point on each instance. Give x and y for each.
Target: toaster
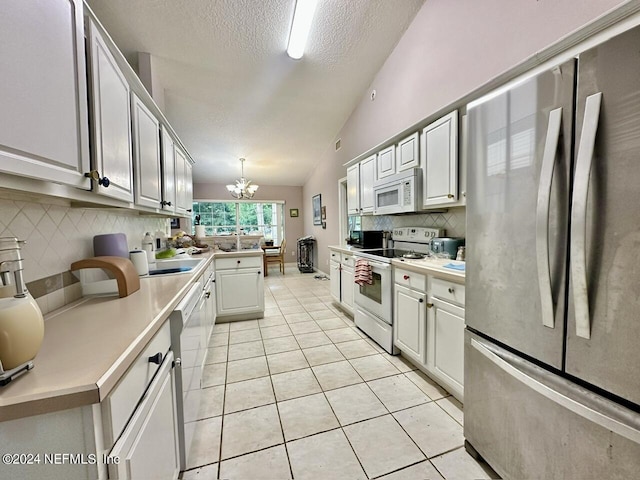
(447, 245)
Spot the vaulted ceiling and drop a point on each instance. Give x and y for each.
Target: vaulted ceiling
(231, 91)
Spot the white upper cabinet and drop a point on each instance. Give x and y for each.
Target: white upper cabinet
(386, 162)
(367, 178)
(111, 126)
(43, 96)
(360, 179)
(146, 150)
(407, 152)
(184, 183)
(353, 189)
(440, 154)
(168, 172)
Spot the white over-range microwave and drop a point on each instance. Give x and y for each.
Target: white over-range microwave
(399, 193)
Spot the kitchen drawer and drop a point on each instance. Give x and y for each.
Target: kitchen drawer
(334, 255)
(414, 280)
(238, 262)
(121, 402)
(348, 259)
(452, 292)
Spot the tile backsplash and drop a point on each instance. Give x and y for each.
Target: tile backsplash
(453, 221)
(58, 234)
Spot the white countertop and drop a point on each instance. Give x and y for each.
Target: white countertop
(90, 344)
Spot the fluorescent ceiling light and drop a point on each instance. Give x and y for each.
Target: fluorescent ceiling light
(302, 18)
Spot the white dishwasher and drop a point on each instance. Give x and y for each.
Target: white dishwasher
(188, 344)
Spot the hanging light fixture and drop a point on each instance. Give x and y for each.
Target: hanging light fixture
(243, 187)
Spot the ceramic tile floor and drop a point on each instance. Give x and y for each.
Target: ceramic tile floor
(303, 394)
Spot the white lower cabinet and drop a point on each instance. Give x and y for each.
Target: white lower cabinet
(334, 279)
(239, 286)
(148, 448)
(341, 277)
(428, 326)
(346, 286)
(410, 322)
(446, 349)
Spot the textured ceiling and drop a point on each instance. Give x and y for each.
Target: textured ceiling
(231, 91)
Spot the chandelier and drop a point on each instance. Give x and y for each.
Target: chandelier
(243, 187)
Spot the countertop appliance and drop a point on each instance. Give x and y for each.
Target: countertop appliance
(399, 193)
(366, 238)
(373, 312)
(448, 245)
(552, 383)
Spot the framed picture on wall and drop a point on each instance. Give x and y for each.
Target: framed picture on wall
(316, 202)
(323, 211)
(293, 212)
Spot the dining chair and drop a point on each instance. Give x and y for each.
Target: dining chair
(276, 256)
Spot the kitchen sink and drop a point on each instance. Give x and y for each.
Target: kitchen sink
(174, 266)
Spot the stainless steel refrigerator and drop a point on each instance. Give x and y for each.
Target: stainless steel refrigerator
(552, 347)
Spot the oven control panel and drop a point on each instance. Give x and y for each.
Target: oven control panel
(417, 234)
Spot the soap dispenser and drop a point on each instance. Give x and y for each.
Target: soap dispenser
(148, 246)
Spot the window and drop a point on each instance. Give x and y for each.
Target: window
(244, 218)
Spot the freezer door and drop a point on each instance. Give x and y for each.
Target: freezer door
(517, 213)
(529, 423)
(604, 291)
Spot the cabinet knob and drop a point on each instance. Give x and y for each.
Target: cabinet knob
(189, 210)
(157, 358)
(95, 176)
(450, 195)
(464, 194)
(429, 305)
(207, 295)
(259, 272)
(238, 262)
(406, 277)
(421, 300)
(177, 362)
(451, 290)
(165, 203)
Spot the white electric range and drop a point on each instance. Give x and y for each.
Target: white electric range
(373, 312)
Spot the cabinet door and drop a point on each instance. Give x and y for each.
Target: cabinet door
(111, 126)
(407, 152)
(168, 172)
(367, 177)
(440, 153)
(409, 322)
(239, 291)
(148, 448)
(146, 149)
(181, 181)
(188, 182)
(43, 119)
(353, 189)
(447, 345)
(386, 162)
(334, 280)
(347, 286)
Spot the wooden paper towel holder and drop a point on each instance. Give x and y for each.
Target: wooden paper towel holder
(122, 268)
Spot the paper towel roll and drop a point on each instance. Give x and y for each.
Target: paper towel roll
(139, 260)
(199, 231)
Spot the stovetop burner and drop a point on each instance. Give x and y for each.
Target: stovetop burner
(388, 252)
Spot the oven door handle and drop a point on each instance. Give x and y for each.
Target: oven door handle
(381, 266)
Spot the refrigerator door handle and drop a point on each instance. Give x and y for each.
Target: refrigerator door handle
(584, 159)
(542, 217)
(580, 401)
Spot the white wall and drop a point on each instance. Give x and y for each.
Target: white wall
(451, 49)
